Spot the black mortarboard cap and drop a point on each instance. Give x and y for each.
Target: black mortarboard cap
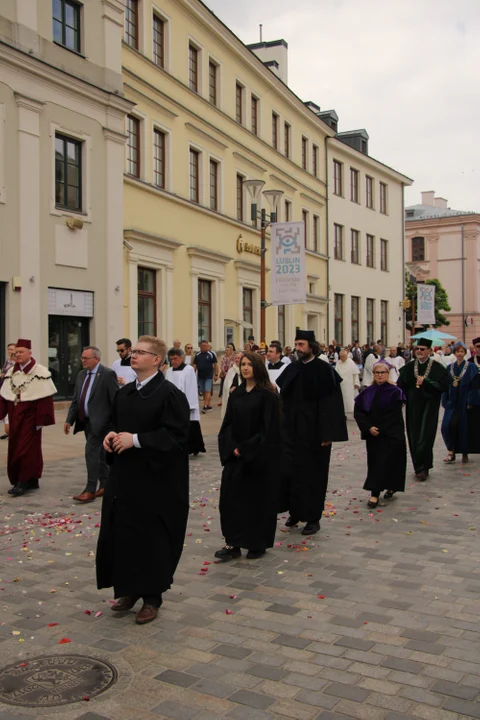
(425, 342)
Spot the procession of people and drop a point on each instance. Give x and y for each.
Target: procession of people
(282, 409)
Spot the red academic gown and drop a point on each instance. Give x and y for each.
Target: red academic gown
(25, 459)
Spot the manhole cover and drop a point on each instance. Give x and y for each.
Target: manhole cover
(55, 680)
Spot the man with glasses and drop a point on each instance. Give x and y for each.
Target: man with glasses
(121, 366)
(423, 381)
(145, 508)
(90, 411)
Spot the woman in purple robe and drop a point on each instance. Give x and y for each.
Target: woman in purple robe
(378, 412)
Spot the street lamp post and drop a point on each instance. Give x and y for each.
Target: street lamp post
(254, 188)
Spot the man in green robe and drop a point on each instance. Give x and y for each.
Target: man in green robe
(423, 381)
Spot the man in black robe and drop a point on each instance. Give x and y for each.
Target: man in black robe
(423, 381)
(473, 409)
(314, 418)
(146, 501)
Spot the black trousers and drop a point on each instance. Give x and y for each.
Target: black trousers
(97, 468)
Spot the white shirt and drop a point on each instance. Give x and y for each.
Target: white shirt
(124, 371)
(141, 385)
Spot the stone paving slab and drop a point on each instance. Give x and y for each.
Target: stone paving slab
(376, 617)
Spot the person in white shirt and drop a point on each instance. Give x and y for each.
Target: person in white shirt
(348, 371)
(184, 378)
(396, 362)
(370, 361)
(275, 364)
(121, 367)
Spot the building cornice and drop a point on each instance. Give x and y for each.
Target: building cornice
(134, 234)
(418, 224)
(369, 161)
(113, 10)
(249, 161)
(245, 265)
(312, 199)
(149, 99)
(206, 135)
(197, 251)
(116, 137)
(277, 179)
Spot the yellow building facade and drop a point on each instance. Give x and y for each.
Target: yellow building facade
(208, 115)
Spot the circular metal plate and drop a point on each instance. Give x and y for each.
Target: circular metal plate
(55, 680)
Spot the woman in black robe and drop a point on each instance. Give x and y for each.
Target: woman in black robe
(248, 443)
(378, 412)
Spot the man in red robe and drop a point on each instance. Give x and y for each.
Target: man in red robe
(26, 396)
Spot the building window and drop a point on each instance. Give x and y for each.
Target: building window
(337, 178)
(193, 68)
(239, 103)
(212, 82)
(304, 152)
(213, 185)
(194, 176)
(353, 185)
(147, 301)
(338, 309)
(159, 158)
(158, 41)
(316, 233)
(68, 173)
(418, 249)
(204, 310)
(370, 251)
(133, 146)
(247, 313)
(305, 222)
(384, 255)
(275, 130)
(255, 115)
(370, 320)
(355, 247)
(383, 198)
(281, 325)
(288, 211)
(384, 321)
(315, 160)
(369, 191)
(287, 130)
(355, 310)
(338, 242)
(66, 24)
(240, 208)
(131, 23)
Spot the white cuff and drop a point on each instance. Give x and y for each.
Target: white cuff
(136, 442)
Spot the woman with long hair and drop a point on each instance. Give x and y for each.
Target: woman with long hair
(378, 412)
(456, 404)
(189, 354)
(249, 441)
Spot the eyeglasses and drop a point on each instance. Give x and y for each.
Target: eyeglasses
(188, 347)
(143, 352)
(82, 357)
(380, 372)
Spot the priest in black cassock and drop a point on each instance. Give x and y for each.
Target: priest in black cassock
(314, 417)
(473, 410)
(146, 501)
(423, 381)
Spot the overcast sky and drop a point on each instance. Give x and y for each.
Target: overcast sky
(408, 71)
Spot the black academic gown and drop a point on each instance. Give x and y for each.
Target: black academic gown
(313, 413)
(423, 405)
(145, 507)
(249, 489)
(380, 406)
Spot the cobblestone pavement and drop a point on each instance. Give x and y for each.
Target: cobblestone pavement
(376, 618)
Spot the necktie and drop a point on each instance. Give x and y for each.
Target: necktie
(81, 407)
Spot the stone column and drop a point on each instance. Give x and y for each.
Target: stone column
(30, 325)
(132, 298)
(168, 329)
(471, 270)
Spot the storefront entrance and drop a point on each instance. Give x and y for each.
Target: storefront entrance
(67, 336)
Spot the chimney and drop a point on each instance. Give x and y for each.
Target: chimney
(273, 54)
(441, 203)
(428, 198)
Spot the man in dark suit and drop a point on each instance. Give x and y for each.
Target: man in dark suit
(90, 411)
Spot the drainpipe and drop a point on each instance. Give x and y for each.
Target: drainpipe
(463, 283)
(327, 187)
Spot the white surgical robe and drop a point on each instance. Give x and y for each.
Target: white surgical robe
(348, 371)
(186, 381)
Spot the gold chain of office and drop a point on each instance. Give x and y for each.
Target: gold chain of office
(427, 371)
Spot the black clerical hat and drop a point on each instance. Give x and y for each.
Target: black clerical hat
(305, 335)
(475, 341)
(424, 342)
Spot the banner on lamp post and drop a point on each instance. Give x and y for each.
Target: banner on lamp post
(426, 304)
(288, 274)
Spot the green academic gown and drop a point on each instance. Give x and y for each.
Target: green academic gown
(423, 405)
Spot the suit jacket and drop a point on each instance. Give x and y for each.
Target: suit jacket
(100, 402)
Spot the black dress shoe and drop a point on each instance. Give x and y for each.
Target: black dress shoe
(291, 522)
(311, 528)
(33, 484)
(18, 489)
(255, 554)
(4, 437)
(228, 553)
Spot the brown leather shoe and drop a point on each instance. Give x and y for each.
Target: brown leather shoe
(84, 497)
(146, 614)
(125, 603)
(100, 492)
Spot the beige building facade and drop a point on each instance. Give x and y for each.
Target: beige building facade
(445, 244)
(61, 178)
(366, 258)
(209, 115)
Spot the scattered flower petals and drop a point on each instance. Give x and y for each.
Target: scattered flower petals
(63, 641)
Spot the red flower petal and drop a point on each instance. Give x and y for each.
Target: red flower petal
(63, 641)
